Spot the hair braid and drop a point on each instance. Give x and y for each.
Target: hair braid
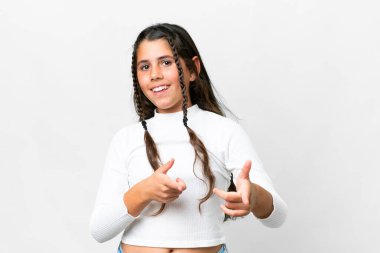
(199, 148)
(137, 92)
(152, 153)
(181, 81)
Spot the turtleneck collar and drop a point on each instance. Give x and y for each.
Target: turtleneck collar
(191, 111)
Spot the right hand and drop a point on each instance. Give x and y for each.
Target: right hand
(160, 187)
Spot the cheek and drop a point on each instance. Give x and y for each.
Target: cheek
(143, 79)
(171, 75)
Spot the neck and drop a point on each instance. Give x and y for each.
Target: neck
(172, 110)
(191, 110)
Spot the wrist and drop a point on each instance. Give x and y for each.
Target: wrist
(135, 199)
(262, 202)
(143, 191)
(253, 197)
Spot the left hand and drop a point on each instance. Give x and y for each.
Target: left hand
(239, 203)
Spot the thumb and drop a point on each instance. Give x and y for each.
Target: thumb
(165, 168)
(245, 197)
(244, 174)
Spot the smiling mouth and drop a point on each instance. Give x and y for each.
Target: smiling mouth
(160, 89)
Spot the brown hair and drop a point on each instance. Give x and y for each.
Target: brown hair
(201, 93)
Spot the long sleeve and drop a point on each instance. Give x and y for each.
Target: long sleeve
(240, 149)
(110, 215)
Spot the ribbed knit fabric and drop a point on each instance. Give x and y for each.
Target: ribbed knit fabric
(180, 225)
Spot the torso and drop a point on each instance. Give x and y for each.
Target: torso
(181, 217)
(138, 249)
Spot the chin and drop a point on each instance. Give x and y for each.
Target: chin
(171, 108)
(165, 105)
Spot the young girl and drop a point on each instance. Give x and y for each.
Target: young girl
(168, 180)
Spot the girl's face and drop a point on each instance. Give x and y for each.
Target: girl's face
(158, 76)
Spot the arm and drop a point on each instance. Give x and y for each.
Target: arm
(135, 200)
(117, 205)
(262, 201)
(110, 215)
(265, 203)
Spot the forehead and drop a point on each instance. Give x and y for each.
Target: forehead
(153, 49)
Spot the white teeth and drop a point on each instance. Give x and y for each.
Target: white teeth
(160, 88)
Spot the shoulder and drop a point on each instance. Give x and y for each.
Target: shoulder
(218, 122)
(127, 135)
(130, 129)
(217, 128)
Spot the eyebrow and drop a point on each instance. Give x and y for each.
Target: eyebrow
(159, 58)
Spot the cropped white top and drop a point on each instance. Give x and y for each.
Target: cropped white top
(180, 225)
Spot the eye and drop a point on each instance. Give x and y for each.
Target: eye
(166, 62)
(144, 67)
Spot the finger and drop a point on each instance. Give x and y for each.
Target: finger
(172, 191)
(244, 173)
(245, 197)
(166, 167)
(168, 194)
(181, 184)
(228, 196)
(234, 213)
(175, 185)
(167, 200)
(171, 184)
(236, 206)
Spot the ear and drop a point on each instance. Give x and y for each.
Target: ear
(197, 63)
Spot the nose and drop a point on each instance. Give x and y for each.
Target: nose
(155, 73)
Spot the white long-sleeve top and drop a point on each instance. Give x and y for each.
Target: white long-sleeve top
(180, 225)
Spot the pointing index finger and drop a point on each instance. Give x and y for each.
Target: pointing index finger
(228, 196)
(171, 184)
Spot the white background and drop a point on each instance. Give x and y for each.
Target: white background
(302, 74)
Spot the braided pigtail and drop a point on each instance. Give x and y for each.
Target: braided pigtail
(199, 148)
(151, 148)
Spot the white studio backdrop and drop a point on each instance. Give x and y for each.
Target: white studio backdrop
(303, 75)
